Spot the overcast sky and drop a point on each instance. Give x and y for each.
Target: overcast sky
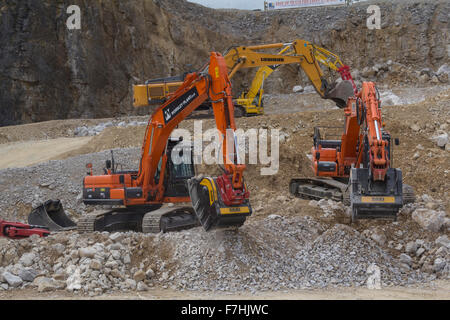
(238, 4)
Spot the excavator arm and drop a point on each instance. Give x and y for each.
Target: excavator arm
(218, 202)
(211, 83)
(252, 100)
(378, 145)
(375, 188)
(301, 52)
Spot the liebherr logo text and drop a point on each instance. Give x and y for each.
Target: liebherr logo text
(273, 59)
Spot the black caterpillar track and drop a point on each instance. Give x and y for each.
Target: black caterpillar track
(318, 188)
(169, 219)
(87, 223)
(148, 220)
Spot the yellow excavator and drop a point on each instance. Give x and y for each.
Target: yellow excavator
(301, 52)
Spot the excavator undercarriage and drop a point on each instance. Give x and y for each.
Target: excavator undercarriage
(146, 220)
(376, 202)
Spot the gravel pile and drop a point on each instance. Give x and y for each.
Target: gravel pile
(270, 252)
(84, 131)
(56, 179)
(275, 253)
(260, 257)
(302, 245)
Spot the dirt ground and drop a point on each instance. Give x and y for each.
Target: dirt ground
(424, 166)
(22, 154)
(415, 155)
(438, 290)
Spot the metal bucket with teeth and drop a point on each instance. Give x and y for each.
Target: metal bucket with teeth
(51, 215)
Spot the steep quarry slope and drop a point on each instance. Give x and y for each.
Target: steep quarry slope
(48, 72)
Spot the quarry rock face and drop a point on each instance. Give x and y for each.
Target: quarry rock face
(49, 72)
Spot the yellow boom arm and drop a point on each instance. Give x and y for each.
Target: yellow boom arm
(300, 52)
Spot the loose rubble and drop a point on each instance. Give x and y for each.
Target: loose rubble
(96, 130)
(306, 244)
(306, 255)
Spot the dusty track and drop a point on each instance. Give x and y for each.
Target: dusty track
(22, 154)
(439, 290)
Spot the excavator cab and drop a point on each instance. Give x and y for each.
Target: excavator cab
(152, 218)
(180, 168)
(325, 151)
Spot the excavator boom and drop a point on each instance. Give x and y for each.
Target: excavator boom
(301, 52)
(298, 52)
(252, 101)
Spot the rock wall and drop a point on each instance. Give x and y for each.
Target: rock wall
(49, 72)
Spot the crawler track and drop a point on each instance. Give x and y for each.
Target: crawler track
(147, 220)
(169, 219)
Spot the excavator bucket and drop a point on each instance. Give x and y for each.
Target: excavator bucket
(209, 205)
(340, 92)
(51, 215)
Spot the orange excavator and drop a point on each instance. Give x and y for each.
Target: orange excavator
(218, 202)
(358, 167)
